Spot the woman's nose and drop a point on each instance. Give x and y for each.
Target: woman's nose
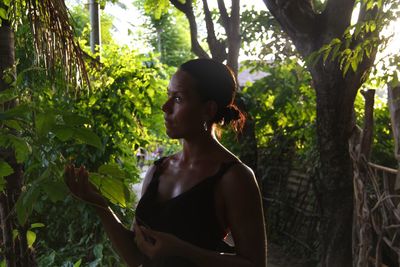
(167, 106)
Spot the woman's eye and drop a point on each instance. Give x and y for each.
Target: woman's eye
(177, 99)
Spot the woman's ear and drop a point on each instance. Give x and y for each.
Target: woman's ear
(210, 110)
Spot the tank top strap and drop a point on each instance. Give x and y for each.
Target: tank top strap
(159, 161)
(158, 168)
(225, 166)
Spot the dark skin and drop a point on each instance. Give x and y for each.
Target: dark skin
(238, 200)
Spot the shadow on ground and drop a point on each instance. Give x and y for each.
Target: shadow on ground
(277, 257)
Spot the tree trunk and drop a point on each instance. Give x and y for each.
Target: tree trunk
(16, 251)
(7, 56)
(336, 188)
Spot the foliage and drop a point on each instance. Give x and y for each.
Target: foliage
(284, 104)
(260, 27)
(169, 34)
(4, 10)
(156, 7)
(360, 40)
(121, 106)
(71, 235)
(81, 24)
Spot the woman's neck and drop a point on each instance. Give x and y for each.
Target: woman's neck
(198, 149)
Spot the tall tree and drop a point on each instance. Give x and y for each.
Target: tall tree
(339, 57)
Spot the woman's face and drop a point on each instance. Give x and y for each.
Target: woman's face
(183, 110)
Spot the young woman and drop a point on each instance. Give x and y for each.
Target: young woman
(193, 199)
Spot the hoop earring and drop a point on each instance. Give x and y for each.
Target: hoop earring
(205, 126)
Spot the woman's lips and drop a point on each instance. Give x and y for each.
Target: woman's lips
(167, 122)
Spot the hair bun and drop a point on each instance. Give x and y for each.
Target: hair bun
(231, 113)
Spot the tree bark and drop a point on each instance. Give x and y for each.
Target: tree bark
(333, 131)
(7, 55)
(234, 38)
(16, 252)
(187, 9)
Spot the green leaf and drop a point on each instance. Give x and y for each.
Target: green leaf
(48, 260)
(20, 111)
(5, 169)
(7, 95)
(78, 263)
(44, 122)
(98, 251)
(313, 58)
(25, 204)
(113, 189)
(63, 133)
(13, 124)
(113, 170)
(22, 148)
(56, 190)
(75, 120)
(3, 13)
(30, 237)
(37, 225)
(354, 64)
(88, 137)
(15, 233)
(326, 53)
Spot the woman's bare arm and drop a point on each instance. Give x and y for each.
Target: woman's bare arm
(122, 239)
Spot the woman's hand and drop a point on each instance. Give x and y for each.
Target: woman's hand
(156, 244)
(77, 180)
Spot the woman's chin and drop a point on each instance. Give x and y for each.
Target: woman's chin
(172, 134)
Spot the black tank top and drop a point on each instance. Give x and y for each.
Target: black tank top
(191, 216)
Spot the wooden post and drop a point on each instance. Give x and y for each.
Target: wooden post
(362, 237)
(95, 36)
(394, 108)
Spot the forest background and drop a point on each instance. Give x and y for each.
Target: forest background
(61, 103)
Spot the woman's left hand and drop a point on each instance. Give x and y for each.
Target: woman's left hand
(156, 244)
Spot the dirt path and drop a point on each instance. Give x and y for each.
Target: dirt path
(278, 258)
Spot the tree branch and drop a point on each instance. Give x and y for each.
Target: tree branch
(187, 9)
(217, 48)
(298, 19)
(224, 15)
(337, 15)
(368, 128)
(181, 7)
(234, 38)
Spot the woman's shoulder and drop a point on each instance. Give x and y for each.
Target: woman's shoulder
(239, 178)
(239, 169)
